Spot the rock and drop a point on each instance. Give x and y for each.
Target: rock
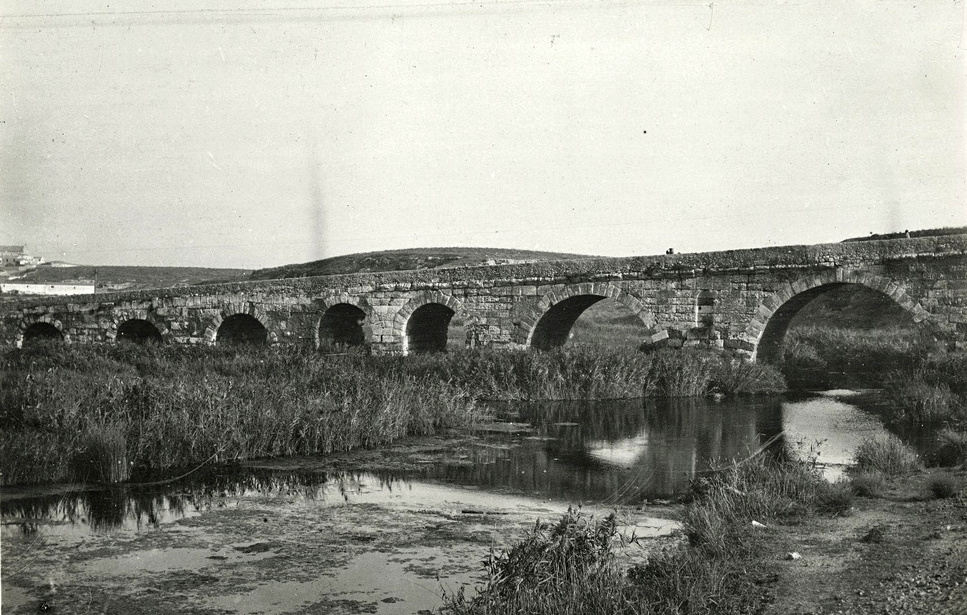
(792, 555)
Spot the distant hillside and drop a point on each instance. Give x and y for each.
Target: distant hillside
(111, 277)
(932, 232)
(405, 260)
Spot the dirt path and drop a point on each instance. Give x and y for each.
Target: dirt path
(900, 554)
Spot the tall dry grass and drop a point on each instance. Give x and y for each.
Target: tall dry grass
(102, 412)
(97, 413)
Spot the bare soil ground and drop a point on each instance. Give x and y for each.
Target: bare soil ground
(903, 553)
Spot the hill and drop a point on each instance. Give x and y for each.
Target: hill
(405, 260)
(932, 232)
(117, 277)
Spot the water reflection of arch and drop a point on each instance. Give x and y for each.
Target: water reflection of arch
(776, 311)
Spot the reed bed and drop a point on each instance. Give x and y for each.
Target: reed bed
(930, 392)
(107, 413)
(101, 413)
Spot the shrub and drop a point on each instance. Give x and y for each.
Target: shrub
(567, 567)
(103, 408)
(102, 454)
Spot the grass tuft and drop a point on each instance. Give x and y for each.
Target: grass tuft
(885, 455)
(943, 486)
(567, 567)
(951, 448)
(868, 484)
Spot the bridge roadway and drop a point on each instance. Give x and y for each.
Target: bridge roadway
(741, 300)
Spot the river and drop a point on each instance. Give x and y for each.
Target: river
(389, 531)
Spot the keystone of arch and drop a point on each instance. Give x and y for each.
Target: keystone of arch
(525, 331)
(771, 304)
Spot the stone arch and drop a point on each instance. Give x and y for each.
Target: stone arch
(244, 316)
(423, 321)
(44, 328)
(548, 324)
(768, 326)
(138, 331)
(122, 317)
(343, 324)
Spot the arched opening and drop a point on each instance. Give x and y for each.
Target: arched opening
(588, 320)
(427, 328)
(840, 334)
(138, 331)
(342, 325)
(41, 332)
(241, 329)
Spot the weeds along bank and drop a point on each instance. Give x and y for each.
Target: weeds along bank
(105, 413)
(723, 565)
(925, 388)
(735, 524)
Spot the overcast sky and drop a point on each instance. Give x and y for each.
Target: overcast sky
(252, 134)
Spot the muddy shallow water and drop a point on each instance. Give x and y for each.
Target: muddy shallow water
(389, 530)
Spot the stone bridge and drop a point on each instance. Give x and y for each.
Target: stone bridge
(741, 300)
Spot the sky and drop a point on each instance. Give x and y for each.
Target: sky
(252, 134)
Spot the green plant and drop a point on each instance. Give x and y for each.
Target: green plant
(818, 356)
(943, 486)
(567, 567)
(886, 455)
(868, 484)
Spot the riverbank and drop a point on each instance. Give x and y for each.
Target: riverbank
(904, 552)
(115, 413)
(761, 538)
(371, 531)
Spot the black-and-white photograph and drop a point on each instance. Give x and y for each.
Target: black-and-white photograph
(493, 307)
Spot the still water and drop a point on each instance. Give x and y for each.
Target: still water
(304, 536)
